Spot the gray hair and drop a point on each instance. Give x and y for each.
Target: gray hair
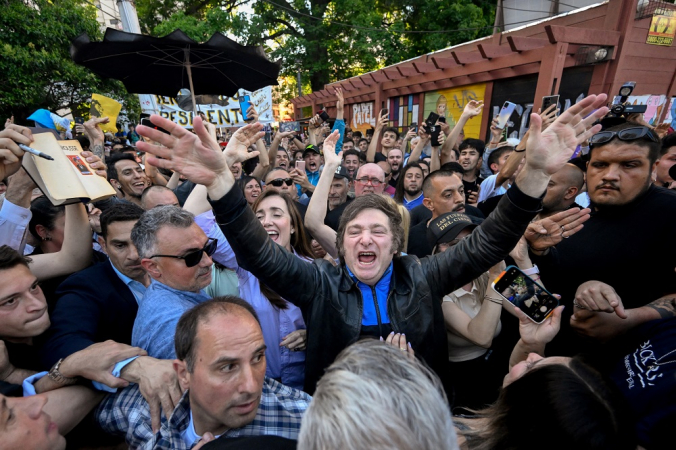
(144, 233)
(374, 396)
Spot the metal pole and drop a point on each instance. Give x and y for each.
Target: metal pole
(186, 51)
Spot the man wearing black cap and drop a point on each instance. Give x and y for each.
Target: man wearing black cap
(340, 186)
(313, 161)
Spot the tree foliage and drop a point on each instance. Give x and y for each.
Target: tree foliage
(327, 40)
(35, 63)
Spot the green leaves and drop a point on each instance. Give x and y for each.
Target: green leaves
(35, 62)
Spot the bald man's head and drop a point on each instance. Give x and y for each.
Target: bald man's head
(564, 186)
(367, 177)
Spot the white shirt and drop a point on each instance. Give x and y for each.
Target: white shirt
(489, 190)
(459, 348)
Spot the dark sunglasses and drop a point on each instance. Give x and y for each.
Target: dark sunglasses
(628, 134)
(278, 182)
(193, 258)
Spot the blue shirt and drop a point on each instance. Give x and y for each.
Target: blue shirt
(158, 314)
(339, 125)
(415, 202)
(136, 288)
(382, 289)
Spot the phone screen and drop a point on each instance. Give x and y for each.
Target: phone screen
(524, 293)
(505, 114)
(549, 100)
(244, 103)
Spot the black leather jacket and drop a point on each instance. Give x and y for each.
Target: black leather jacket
(331, 301)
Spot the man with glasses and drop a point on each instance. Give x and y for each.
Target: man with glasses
(370, 179)
(177, 256)
(625, 247)
(280, 180)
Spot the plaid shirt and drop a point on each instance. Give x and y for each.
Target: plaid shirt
(279, 413)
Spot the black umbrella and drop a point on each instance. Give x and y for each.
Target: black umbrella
(163, 66)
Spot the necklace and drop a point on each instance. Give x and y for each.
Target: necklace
(659, 362)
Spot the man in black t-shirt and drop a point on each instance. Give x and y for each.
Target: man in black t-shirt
(470, 160)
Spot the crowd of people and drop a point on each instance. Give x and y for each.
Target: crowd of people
(336, 291)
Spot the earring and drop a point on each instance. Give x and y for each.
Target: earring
(47, 238)
(292, 231)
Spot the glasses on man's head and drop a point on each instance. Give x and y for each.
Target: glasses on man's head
(278, 182)
(193, 258)
(374, 181)
(628, 134)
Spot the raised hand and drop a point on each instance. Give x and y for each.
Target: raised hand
(382, 121)
(93, 130)
(548, 116)
(252, 114)
(198, 156)
(330, 156)
(547, 151)
(10, 153)
(237, 149)
(473, 108)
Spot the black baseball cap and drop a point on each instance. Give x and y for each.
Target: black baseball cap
(341, 172)
(448, 226)
(311, 148)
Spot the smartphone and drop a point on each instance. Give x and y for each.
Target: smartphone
(505, 114)
(324, 115)
(431, 122)
(385, 112)
(549, 100)
(146, 122)
(520, 290)
(244, 103)
(300, 165)
(414, 127)
(369, 132)
(78, 120)
(289, 126)
(441, 119)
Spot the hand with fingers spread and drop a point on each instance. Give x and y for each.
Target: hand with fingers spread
(548, 150)
(330, 156)
(237, 149)
(399, 341)
(158, 383)
(295, 341)
(548, 232)
(600, 297)
(10, 153)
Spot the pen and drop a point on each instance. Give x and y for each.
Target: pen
(26, 148)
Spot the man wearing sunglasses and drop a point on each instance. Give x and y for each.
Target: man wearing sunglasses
(280, 180)
(177, 255)
(624, 246)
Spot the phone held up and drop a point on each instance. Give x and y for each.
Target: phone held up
(244, 103)
(300, 165)
(549, 100)
(324, 116)
(505, 114)
(145, 121)
(519, 289)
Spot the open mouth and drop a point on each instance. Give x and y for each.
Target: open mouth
(274, 235)
(139, 184)
(366, 258)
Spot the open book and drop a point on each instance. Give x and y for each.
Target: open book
(67, 179)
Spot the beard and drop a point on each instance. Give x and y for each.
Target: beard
(413, 193)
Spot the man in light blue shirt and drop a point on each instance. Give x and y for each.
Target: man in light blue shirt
(176, 254)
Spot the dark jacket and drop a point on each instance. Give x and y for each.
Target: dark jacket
(93, 305)
(332, 303)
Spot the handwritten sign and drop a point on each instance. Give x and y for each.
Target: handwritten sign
(229, 115)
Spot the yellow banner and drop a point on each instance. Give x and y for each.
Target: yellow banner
(451, 102)
(662, 28)
(105, 107)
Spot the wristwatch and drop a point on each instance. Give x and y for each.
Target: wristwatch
(57, 377)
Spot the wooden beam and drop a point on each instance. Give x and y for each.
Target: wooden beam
(551, 71)
(346, 86)
(584, 36)
(378, 77)
(466, 57)
(367, 80)
(429, 86)
(443, 63)
(522, 44)
(423, 67)
(392, 74)
(490, 51)
(407, 71)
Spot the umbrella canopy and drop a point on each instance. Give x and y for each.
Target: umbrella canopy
(163, 66)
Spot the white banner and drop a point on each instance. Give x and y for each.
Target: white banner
(221, 116)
